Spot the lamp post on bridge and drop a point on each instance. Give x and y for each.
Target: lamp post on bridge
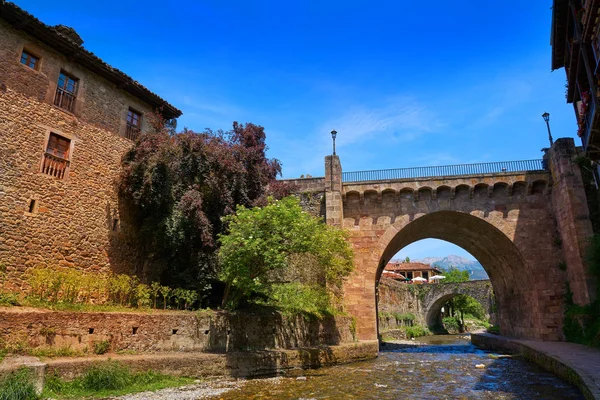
(546, 117)
(333, 135)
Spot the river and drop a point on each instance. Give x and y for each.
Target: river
(436, 367)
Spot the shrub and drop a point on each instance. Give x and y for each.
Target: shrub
(18, 386)
(296, 298)
(262, 241)
(452, 324)
(416, 331)
(101, 347)
(106, 376)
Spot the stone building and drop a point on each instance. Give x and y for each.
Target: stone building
(412, 270)
(66, 119)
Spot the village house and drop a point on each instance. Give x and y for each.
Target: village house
(406, 271)
(66, 120)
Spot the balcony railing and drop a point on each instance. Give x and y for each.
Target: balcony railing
(54, 166)
(444, 171)
(132, 132)
(64, 99)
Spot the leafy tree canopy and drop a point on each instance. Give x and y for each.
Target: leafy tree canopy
(178, 186)
(454, 274)
(264, 241)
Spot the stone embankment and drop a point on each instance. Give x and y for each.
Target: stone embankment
(575, 363)
(195, 344)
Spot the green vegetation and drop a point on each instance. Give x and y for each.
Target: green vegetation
(452, 324)
(281, 256)
(455, 275)
(18, 386)
(416, 331)
(177, 187)
(71, 289)
(582, 323)
(109, 379)
(101, 347)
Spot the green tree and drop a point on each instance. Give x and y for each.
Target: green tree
(178, 186)
(454, 275)
(262, 242)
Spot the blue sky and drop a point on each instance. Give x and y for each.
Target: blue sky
(404, 83)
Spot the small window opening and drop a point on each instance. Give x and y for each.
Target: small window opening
(206, 332)
(134, 124)
(134, 330)
(91, 331)
(115, 224)
(32, 206)
(175, 331)
(30, 60)
(66, 92)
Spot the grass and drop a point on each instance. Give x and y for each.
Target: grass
(109, 379)
(18, 386)
(49, 352)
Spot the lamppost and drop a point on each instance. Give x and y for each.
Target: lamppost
(333, 135)
(546, 117)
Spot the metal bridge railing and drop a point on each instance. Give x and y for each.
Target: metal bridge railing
(444, 171)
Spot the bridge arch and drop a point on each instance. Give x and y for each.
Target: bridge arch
(499, 256)
(439, 294)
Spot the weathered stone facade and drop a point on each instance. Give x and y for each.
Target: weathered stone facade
(73, 221)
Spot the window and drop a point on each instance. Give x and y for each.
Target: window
(425, 274)
(66, 92)
(56, 157)
(409, 275)
(134, 124)
(30, 60)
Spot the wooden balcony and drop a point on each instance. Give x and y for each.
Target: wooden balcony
(132, 132)
(64, 100)
(54, 166)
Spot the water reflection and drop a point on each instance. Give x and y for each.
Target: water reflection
(436, 368)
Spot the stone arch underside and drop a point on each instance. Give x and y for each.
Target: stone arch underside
(527, 285)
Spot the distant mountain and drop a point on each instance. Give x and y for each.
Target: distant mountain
(475, 269)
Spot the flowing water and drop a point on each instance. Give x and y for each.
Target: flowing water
(443, 367)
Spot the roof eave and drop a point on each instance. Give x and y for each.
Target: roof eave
(20, 19)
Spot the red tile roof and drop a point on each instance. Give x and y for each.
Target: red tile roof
(410, 266)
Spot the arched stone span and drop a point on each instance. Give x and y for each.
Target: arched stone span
(515, 283)
(439, 294)
(512, 237)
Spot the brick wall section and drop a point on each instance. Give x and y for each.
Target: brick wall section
(572, 217)
(168, 331)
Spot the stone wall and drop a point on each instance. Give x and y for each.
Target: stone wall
(168, 331)
(572, 217)
(397, 297)
(73, 218)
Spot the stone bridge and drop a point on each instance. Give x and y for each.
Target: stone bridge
(438, 294)
(526, 222)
